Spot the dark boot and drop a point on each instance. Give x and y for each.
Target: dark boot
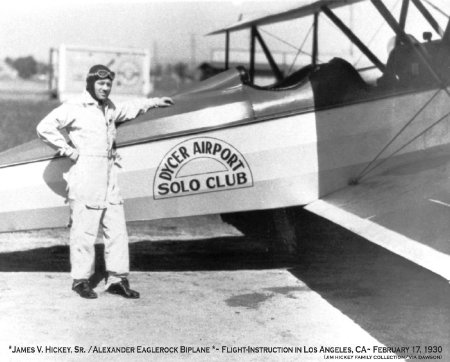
(123, 288)
(84, 289)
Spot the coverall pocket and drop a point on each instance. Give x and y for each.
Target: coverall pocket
(85, 220)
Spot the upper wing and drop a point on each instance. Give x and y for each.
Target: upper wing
(405, 209)
(308, 8)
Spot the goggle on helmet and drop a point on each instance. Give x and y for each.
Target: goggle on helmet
(102, 74)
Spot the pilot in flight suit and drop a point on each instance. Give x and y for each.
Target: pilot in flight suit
(93, 193)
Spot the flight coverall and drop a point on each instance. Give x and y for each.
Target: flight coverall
(93, 190)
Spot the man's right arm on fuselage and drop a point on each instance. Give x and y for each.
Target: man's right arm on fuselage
(48, 130)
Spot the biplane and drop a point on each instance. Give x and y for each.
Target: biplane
(370, 156)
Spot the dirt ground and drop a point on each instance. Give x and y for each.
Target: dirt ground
(206, 286)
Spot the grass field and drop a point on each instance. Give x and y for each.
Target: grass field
(22, 105)
(19, 118)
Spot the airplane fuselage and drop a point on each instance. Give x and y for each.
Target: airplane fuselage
(237, 156)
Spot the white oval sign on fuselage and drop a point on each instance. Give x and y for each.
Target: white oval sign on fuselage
(201, 165)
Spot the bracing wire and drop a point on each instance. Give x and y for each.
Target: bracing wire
(369, 167)
(300, 49)
(284, 41)
(409, 142)
(437, 9)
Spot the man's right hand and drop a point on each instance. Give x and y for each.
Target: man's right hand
(164, 102)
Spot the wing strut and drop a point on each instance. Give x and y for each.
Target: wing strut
(227, 50)
(315, 49)
(251, 70)
(338, 22)
(403, 14)
(269, 57)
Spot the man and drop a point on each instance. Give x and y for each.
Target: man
(94, 195)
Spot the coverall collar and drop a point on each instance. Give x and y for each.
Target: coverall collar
(88, 100)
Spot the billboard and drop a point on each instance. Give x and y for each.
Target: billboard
(70, 64)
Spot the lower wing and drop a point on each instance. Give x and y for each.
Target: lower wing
(405, 208)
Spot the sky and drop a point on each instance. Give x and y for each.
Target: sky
(174, 30)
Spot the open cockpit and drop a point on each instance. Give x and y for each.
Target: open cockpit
(411, 65)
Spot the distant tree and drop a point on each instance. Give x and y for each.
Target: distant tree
(157, 70)
(42, 68)
(9, 61)
(25, 66)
